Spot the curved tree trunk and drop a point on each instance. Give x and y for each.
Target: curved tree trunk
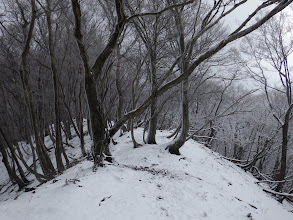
(41, 178)
(10, 171)
(13, 155)
(180, 140)
(98, 123)
(9, 143)
(101, 138)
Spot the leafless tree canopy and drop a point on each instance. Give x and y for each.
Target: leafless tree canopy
(124, 64)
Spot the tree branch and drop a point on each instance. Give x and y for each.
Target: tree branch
(159, 12)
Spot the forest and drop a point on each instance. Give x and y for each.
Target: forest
(161, 65)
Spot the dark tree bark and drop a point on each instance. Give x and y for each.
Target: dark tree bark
(118, 85)
(14, 157)
(99, 128)
(10, 171)
(284, 148)
(41, 178)
(10, 142)
(81, 136)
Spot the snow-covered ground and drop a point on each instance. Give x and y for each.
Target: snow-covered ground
(147, 183)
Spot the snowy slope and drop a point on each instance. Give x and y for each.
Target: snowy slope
(149, 183)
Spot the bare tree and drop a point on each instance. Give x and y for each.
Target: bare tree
(153, 33)
(274, 45)
(58, 140)
(45, 161)
(100, 134)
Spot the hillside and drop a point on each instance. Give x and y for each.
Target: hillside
(147, 183)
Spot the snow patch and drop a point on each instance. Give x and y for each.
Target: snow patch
(148, 183)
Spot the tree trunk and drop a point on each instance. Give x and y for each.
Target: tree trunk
(59, 143)
(67, 129)
(45, 162)
(98, 123)
(81, 136)
(118, 86)
(10, 171)
(135, 144)
(41, 178)
(13, 155)
(9, 143)
(99, 129)
(180, 140)
(151, 138)
(285, 131)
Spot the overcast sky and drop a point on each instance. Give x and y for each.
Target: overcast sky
(239, 15)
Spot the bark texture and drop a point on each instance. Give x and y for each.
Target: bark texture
(99, 127)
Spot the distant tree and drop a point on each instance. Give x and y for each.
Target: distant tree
(270, 48)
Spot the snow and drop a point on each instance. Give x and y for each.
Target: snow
(148, 183)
